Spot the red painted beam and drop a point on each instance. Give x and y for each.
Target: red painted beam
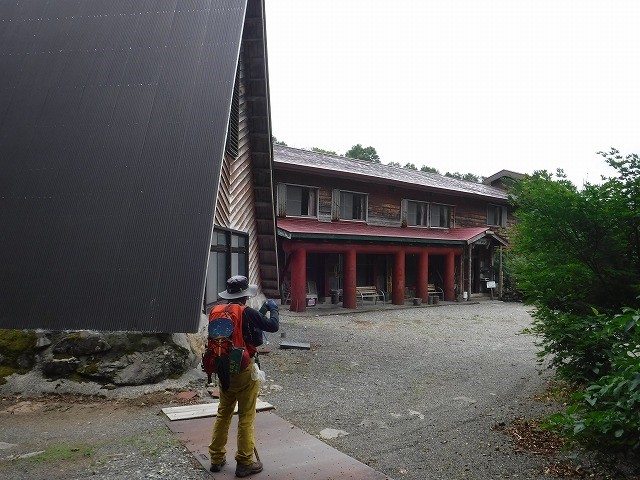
(290, 246)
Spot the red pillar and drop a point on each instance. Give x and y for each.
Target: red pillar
(449, 276)
(397, 295)
(423, 276)
(299, 280)
(349, 281)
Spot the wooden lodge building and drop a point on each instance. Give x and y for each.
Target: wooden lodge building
(344, 224)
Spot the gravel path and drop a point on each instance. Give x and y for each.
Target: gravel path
(418, 392)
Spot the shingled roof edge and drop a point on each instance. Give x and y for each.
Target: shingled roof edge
(300, 160)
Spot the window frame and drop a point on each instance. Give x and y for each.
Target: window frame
(228, 249)
(426, 208)
(494, 207)
(284, 202)
(365, 208)
(448, 216)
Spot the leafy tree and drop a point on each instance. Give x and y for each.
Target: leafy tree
(577, 259)
(322, 150)
(363, 153)
(572, 250)
(469, 177)
(410, 166)
(624, 190)
(394, 164)
(275, 141)
(424, 168)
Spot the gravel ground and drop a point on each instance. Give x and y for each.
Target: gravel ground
(419, 393)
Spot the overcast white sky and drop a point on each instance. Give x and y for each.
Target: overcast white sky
(467, 86)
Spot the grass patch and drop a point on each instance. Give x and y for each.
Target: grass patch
(62, 452)
(5, 371)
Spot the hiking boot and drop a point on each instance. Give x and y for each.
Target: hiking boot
(216, 467)
(242, 470)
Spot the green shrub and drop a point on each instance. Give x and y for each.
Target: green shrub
(606, 414)
(581, 347)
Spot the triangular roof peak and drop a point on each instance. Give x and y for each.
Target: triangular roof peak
(502, 174)
(503, 179)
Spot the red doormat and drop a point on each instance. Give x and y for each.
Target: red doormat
(286, 451)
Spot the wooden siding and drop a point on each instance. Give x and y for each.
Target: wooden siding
(235, 204)
(384, 207)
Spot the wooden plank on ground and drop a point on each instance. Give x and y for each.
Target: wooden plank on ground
(287, 452)
(204, 410)
(284, 344)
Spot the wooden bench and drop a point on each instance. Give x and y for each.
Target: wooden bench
(435, 291)
(370, 292)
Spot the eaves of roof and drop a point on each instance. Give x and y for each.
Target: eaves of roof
(311, 229)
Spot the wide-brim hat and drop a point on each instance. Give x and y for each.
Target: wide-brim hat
(238, 286)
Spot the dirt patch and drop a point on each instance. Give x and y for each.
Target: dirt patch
(528, 435)
(19, 406)
(73, 436)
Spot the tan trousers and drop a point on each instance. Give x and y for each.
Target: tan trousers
(243, 390)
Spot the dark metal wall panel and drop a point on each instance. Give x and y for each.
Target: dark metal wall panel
(113, 116)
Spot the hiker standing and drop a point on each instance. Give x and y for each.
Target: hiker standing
(241, 387)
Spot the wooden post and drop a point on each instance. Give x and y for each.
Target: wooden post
(469, 261)
(449, 274)
(299, 280)
(422, 290)
(500, 276)
(349, 284)
(397, 296)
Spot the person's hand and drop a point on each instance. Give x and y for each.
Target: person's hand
(272, 305)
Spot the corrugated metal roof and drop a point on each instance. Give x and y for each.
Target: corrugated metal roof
(113, 116)
(363, 170)
(303, 228)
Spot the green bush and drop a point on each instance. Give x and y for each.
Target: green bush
(576, 258)
(581, 347)
(606, 414)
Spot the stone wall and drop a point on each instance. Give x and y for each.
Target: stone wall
(111, 359)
